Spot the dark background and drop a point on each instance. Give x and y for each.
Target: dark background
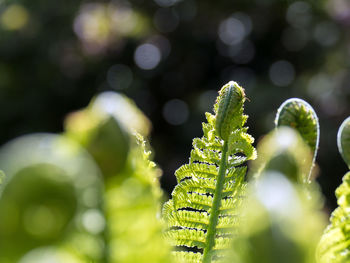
(171, 57)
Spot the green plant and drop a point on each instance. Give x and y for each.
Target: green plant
(335, 243)
(132, 194)
(282, 214)
(92, 194)
(201, 214)
(299, 115)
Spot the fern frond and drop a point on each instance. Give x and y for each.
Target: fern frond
(201, 215)
(299, 115)
(334, 246)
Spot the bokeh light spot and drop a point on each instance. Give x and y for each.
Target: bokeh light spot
(282, 73)
(326, 34)
(166, 20)
(231, 31)
(166, 3)
(42, 222)
(162, 43)
(119, 77)
(93, 221)
(175, 112)
(14, 17)
(294, 39)
(320, 84)
(245, 20)
(187, 10)
(103, 25)
(244, 53)
(299, 14)
(147, 56)
(275, 192)
(206, 100)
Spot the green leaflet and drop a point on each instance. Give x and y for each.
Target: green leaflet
(201, 215)
(299, 114)
(334, 246)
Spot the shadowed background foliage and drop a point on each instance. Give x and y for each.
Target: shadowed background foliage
(171, 57)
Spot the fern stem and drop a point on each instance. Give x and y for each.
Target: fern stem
(214, 211)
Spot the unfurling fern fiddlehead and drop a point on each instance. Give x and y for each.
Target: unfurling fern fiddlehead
(334, 246)
(201, 213)
(299, 115)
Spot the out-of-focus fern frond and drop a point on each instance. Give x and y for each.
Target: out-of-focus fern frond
(281, 222)
(102, 135)
(201, 216)
(284, 151)
(51, 198)
(132, 192)
(133, 210)
(282, 215)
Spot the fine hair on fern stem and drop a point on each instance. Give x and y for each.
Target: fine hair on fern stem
(202, 210)
(299, 115)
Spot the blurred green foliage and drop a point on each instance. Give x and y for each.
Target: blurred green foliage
(283, 211)
(51, 187)
(282, 224)
(132, 191)
(286, 152)
(94, 202)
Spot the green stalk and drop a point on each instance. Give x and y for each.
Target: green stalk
(214, 212)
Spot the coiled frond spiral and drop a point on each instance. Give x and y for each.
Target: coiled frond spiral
(299, 115)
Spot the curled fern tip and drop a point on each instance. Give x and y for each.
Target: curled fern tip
(230, 100)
